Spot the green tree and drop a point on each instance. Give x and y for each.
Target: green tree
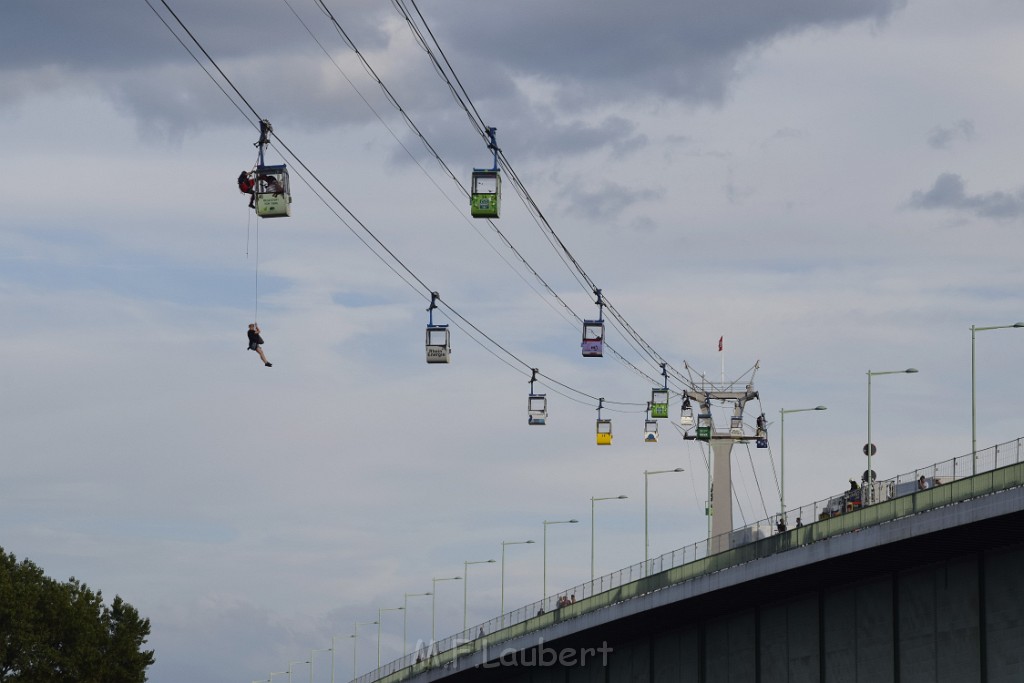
(53, 632)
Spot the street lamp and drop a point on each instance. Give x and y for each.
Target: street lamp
(380, 610)
(290, 668)
(592, 501)
(334, 648)
(546, 523)
(465, 589)
(326, 649)
(433, 603)
(782, 454)
(974, 420)
(646, 536)
(355, 640)
(869, 448)
(405, 616)
(503, 544)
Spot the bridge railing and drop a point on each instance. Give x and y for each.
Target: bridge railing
(713, 554)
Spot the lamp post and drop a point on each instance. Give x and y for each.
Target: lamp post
(334, 648)
(355, 641)
(782, 455)
(503, 545)
(380, 611)
(405, 616)
(326, 649)
(290, 668)
(646, 536)
(974, 419)
(592, 501)
(546, 523)
(869, 448)
(433, 603)
(465, 589)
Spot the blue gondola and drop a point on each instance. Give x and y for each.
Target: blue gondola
(651, 431)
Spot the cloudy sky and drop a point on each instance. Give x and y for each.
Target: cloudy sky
(830, 187)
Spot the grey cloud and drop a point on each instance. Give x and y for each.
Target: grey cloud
(593, 53)
(609, 201)
(949, 192)
(615, 51)
(942, 137)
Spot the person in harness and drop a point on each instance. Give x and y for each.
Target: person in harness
(256, 343)
(247, 185)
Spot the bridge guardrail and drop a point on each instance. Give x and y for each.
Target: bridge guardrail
(998, 467)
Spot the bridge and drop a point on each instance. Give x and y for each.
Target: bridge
(925, 586)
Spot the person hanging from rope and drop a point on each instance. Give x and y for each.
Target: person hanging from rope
(256, 343)
(247, 185)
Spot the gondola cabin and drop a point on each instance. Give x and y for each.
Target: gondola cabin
(686, 416)
(736, 425)
(604, 432)
(439, 345)
(537, 409)
(273, 193)
(704, 427)
(485, 198)
(593, 338)
(659, 403)
(651, 431)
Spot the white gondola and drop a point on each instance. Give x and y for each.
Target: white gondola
(273, 192)
(686, 415)
(651, 431)
(537, 409)
(736, 425)
(439, 344)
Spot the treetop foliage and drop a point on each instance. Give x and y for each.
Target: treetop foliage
(52, 632)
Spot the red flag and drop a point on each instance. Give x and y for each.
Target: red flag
(720, 343)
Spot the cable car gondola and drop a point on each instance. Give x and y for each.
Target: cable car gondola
(704, 427)
(537, 405)
(593, 333)
(686, 414)
(439, 343)
(659, 403)
(604, 427)
(485, 195)
(651, 431)
(593, 338)
(273, 193)
(268, 183)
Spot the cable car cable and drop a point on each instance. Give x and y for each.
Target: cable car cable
(327, 190)
(517, 183)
